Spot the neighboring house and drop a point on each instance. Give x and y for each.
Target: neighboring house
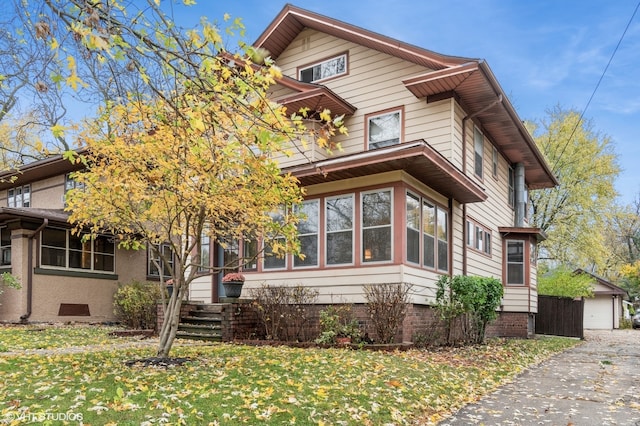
(63, 278)
(604, 310)
(433, 178)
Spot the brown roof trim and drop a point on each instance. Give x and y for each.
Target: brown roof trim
(53, 215)
(37, 170)
(317, 99)
(615, 290)
(292, 20)
(522, 232)
(416, 158)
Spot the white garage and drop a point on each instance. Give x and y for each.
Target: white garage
(604, 310)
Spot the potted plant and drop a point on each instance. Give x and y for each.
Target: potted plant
(232, 283)
(169, 284)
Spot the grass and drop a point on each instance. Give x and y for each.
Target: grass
(234, 384)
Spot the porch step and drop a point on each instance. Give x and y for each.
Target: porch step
(204, 322)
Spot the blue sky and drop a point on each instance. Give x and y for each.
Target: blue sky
(544, 53)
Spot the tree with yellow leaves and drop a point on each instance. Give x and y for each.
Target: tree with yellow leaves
(187, 143)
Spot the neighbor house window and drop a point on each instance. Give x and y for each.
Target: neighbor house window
(339, 218)
(19, 196)
(384, 129)
(5, 246)
(272, 260)
(478, 237)
(478, 149)
(164, 261)
(376, 226)
(59, 248)
(308, 229)
(325, 69)
(515, 262)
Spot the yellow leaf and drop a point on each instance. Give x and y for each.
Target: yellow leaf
(58, 131)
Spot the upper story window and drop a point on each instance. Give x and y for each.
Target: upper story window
(308, 232)
(339, 217)
(325, 69)
(512, 188)
(19, 196)
(59, 248)
(384, 129)
(376, 226)
(5, 246)
(478, 149)
(494, 162)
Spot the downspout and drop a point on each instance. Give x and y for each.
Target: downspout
(24, 318)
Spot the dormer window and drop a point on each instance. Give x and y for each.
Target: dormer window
(323, 70)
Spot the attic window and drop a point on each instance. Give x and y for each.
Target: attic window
(325, 69)
(384, 129)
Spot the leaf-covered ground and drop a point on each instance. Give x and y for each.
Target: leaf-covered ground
(236, 384)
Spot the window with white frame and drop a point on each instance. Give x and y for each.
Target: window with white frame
(250, 254)
(339, 218)
(308, 230)
(59, 248)
(376, 226)
(271, 259)
(478, 237)
(5, 246)
(512, 188)
(19, 196)
(162, 258)
(205, 252)
(384, 129)
(494, 162)
(230, 255)
(325, 69)
(478, 149)
(427, 233)
(515, 262)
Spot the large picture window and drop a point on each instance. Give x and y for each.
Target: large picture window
(19, 196)
(376, 226)
(384, 129)
(308, 229)
(59, 248)
(272, 260)
(325, 69)
(339, 218)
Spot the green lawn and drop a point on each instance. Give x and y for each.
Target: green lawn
(235, 384)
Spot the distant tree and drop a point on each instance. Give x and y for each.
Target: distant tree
(630, 280)
(573, 213)
(564, 282)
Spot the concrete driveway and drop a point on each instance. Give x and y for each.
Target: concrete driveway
(596, 383)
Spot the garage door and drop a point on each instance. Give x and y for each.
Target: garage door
(598, 314)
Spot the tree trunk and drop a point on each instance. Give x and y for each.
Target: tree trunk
(170, 323)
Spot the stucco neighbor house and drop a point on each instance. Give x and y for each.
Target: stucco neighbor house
(62, 277)
(433, 178)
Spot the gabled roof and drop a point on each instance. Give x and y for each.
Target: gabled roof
(468, 80)
(612, 289)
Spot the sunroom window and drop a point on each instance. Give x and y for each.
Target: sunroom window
(339, 217)
(308, 229)
(61, 249)
(376, 226)
(5, 246)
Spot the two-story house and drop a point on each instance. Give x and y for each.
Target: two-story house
(62, 277)
(432, 178)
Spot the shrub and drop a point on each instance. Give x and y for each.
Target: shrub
(135, 304)
(283, 311)
(387, 306)
(470, 302)
(9, 281)
(338, 321)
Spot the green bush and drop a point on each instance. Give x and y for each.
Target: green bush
(338, 321)
(470, 302)
(135, 304)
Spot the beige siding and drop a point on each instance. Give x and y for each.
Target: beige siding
(200, 289)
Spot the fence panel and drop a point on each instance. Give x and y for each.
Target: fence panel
(560, 316)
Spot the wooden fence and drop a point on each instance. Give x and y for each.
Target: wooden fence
(560, 316)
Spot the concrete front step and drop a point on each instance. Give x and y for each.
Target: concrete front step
(210, 307)
(200, 328)
(204, 314)
(198, 336)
